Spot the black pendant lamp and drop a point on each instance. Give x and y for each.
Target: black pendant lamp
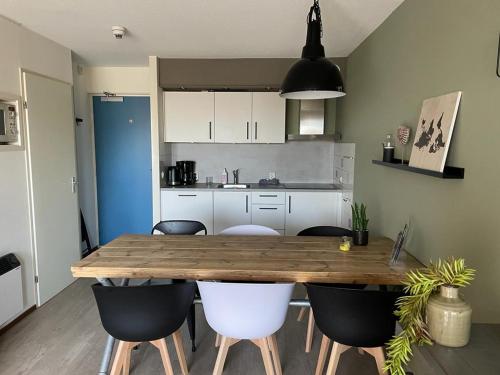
(313, 76)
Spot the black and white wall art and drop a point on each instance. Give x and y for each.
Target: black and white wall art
(434, 130)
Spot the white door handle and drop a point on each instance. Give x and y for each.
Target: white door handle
(74, 182)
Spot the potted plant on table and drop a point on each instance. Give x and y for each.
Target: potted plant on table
(426, 315)
(359, 224)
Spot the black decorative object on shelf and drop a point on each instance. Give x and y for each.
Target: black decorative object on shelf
(448, 173)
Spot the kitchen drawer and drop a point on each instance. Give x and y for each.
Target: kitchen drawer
(268, 197)
(272, 216)
(183, 204)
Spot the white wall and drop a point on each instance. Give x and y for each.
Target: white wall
(121, 80)
(33, 52)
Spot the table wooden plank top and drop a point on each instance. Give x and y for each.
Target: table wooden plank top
(258, 258)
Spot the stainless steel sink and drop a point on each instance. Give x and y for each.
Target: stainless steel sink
(233, 186)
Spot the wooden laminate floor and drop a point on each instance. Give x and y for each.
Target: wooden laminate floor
(65, 336)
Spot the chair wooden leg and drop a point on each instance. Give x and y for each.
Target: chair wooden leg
(221, 356)
(217, 340)
(378, 354)
(117, 367)
(323, 352)
(266, 355)
(126, 359)
(337, 350)
(301, 313)
(161, 344)
(275, 354)
(310, 331)
(179, 348)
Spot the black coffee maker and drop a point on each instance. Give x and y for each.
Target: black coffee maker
(186, 171)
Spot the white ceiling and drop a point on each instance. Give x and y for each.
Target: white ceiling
(196, 28)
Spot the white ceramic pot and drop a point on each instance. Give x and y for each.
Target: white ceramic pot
(449, 318)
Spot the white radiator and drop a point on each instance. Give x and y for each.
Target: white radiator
(11, 288)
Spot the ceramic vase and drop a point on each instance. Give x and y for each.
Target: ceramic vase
(360, 237)
(449, 318)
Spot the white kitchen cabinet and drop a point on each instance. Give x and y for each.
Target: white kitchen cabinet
(231, 208)
(184, 204)
(189, 116)
(272, 216)
(309, 209)
(345, 210)
(268, 118)
(233, 116)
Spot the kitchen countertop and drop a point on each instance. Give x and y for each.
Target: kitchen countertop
(256, 187)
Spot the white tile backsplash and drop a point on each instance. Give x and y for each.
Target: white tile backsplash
(305, 161)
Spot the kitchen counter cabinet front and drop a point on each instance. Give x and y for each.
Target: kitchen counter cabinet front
(188, 205)
(310, 209)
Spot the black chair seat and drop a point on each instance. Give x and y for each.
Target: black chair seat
(353, 317)
(143, 313)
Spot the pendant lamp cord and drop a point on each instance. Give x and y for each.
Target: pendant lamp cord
(315, 9)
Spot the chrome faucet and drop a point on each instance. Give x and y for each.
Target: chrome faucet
(236, 176)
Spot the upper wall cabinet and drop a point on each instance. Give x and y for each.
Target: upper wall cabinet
(268, 118)
(189, 116)
(233, 115)
(224, 117)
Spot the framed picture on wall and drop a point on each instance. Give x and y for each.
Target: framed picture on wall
(434, 130)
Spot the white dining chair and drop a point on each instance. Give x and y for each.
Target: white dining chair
(249, 230)
(241, 311)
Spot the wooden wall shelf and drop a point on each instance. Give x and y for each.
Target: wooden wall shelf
(448, 173)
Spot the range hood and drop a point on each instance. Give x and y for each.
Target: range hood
(312, 120)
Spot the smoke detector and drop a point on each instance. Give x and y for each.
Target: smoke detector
(118, 31)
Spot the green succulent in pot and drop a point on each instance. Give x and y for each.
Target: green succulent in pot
(421, 287)
(359, 224)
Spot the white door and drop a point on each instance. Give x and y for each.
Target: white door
(268, 118)
(310, 209)
(189, 116)
(52, 166)
(182, 204)
(231, 208)
(233, 114)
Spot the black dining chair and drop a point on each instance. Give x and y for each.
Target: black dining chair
(328, 231)
(183, 227)
(135, 314)
(179, 227)
(325, 230)
(352, 318)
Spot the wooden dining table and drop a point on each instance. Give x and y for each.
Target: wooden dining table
(252, 258)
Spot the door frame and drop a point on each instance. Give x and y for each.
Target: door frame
(29, 178)
(90, 97)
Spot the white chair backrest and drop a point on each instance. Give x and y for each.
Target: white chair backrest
(249, 230)
(245, 311)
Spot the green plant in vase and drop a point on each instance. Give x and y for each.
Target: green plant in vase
(418, 303)
(359, 224)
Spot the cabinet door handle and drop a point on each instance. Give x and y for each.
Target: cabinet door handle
(289, 204)
(248, 130)
(246, 203)
(268, 208)
(268, 196)
(187, 195)
(210, 130)
(255, 129)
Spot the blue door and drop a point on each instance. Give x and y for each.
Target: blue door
(122, 133)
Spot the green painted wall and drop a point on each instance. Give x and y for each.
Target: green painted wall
(424, 49)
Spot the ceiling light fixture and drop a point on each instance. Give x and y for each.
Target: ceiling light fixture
(313, 76)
